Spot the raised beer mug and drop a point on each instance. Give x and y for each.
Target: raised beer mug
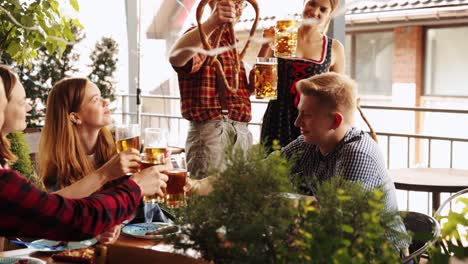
(155, 149)
(286, 38)
(127, 136)
(266, 78)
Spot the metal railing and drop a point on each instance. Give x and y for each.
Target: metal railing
(423, 143)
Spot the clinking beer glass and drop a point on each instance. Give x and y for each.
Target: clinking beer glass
(154, 154)
(175, 195)
(285, 38)
(265, 78)
(127, 136)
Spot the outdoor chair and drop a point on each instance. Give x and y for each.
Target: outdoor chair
(452, 205)
(447, 204)
(424, 231)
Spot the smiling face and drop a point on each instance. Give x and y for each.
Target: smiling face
(16, 110)
(317, 9)
(94, 110)
(314, 120)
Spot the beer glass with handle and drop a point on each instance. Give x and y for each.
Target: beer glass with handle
(175, 196)
(265, 78)
(286, 37)
(154, 153)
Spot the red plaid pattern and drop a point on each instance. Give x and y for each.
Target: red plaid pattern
(199, 95)
(28, 212)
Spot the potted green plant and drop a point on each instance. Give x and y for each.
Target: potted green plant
(241, 221)
(246, 220)
(346, 226)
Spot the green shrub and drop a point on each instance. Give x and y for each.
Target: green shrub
(244, 220)
(241, 221)
(348, 226)
(20, 147)
(454, 234)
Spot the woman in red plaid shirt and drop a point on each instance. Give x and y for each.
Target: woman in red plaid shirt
(203, 96)
(27, 211)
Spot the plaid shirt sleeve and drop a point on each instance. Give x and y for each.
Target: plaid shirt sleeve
(195, 63)
(27, 211)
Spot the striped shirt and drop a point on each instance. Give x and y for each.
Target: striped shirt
(356, 158)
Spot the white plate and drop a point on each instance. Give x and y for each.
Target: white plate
(15, 259)
(70, 245)
(140, 230)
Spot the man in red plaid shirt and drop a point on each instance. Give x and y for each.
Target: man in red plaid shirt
(202, 98)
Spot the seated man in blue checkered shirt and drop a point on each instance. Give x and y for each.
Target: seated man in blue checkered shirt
(330, 146)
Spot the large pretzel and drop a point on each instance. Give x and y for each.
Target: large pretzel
(218, 33)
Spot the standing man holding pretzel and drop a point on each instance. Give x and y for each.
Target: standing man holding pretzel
(215, 111)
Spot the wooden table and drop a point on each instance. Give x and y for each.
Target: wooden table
(432, 180)
(123, 240)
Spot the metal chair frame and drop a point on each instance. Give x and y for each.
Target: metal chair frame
(435, 235)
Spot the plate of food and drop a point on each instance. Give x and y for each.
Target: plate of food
(21, 260)
(57, 246)
(155, 230)
(80, 255)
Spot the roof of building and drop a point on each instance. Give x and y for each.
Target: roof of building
(365, 6)
(378, 11)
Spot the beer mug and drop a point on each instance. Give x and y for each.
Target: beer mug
(265, 78)
(175, 195)
(285, 38)
(127, 136)
(154, 153)
(155, 149)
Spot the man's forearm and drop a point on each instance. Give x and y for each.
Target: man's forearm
(180, 54)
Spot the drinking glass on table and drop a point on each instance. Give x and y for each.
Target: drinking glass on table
(127, 136)
(154, 153)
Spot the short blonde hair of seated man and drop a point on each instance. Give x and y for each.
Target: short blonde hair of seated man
(335, 91)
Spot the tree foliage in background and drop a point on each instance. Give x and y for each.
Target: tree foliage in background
(104, 63)
(45, 71)
(27, 26)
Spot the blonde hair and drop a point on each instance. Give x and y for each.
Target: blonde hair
(334, 4)
(8, 79)
(336, 92)
(62, 156)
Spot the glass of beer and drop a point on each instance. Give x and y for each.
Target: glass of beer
(175, 195)
(127, 136)
(286, 38)
(154, 153)
(266, 78)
